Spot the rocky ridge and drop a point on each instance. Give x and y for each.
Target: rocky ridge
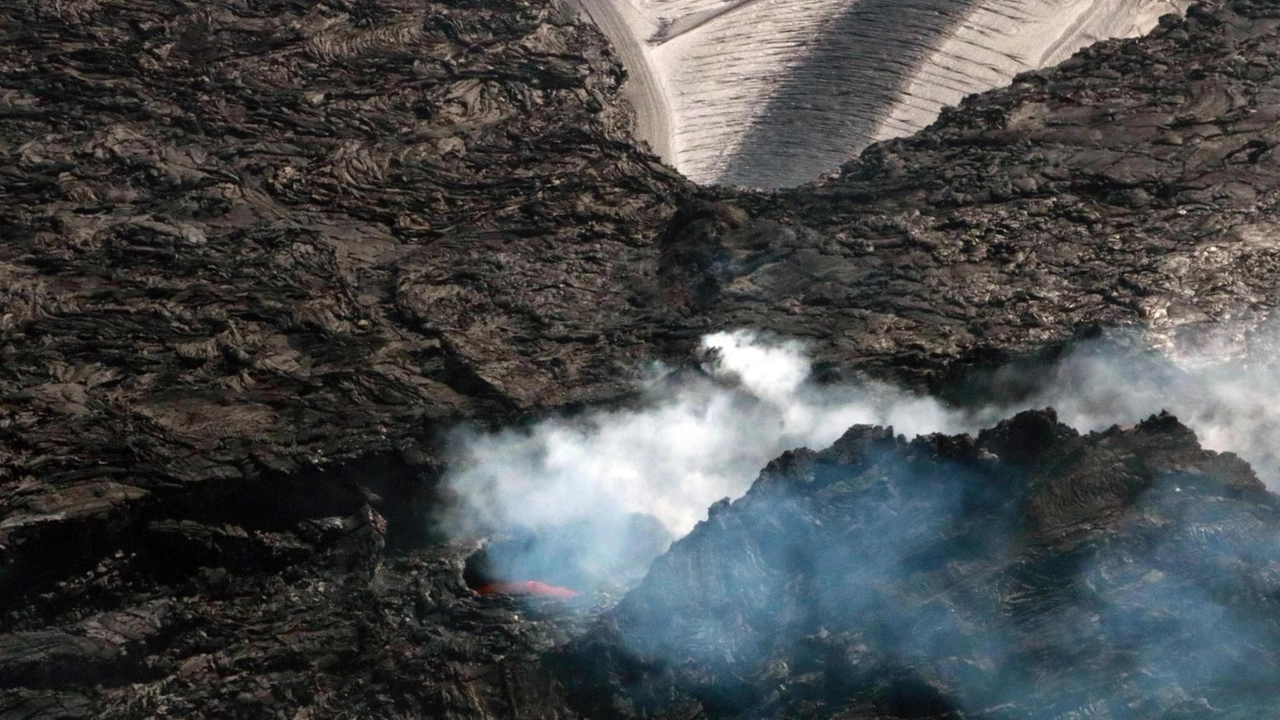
(1029, 572)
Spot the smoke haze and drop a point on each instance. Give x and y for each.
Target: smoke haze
(693, 441)
(1232, 405)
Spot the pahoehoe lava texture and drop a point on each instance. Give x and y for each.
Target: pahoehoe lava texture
(1026, 573)
(258, 254)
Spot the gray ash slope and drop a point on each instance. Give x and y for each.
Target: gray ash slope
(1135, 185)
(257, 255)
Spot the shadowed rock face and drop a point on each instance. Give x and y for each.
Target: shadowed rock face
(256, 257)
(767, 93)
(1028, 573)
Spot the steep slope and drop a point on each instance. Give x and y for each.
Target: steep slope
(773, 93)
(1136, 185)
(1028, 573)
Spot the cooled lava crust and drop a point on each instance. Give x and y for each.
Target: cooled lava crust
(258, 254)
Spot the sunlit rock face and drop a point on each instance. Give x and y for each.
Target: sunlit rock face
(773, 93)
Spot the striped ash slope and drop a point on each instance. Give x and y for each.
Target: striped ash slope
(773, 93)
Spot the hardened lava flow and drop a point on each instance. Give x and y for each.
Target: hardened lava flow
(258, 257)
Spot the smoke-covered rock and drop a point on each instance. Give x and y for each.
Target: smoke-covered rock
(565, 493)
(1028, 572)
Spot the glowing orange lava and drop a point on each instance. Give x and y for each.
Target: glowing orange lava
(527, 587)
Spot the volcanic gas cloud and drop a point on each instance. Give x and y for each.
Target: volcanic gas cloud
(589, 500)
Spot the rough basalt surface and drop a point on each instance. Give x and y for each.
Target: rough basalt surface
(256, 254)
(1029, 572)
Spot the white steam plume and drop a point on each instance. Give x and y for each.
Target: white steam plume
(688, 446)
(693, 442)
(1233, 406)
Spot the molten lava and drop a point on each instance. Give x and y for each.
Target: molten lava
(526, 587)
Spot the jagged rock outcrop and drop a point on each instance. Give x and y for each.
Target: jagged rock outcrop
(1029, 572)
(256, 256)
